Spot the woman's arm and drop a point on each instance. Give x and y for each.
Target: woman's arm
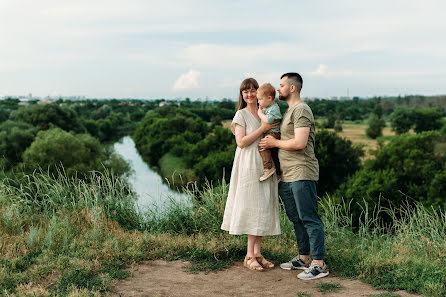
(244, 140)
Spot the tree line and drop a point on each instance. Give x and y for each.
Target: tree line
(190, 137)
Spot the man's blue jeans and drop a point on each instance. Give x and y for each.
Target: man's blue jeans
(300, 199)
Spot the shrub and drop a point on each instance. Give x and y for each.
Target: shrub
(408, 165)
(375, 127)
(402, 120)
(338, 159)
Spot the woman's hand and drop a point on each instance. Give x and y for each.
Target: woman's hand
(267, 126)
(267, 142)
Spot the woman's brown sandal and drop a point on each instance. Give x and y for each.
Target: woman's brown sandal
(265, 263)
(251, 263)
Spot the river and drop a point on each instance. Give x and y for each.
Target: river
(147, 183)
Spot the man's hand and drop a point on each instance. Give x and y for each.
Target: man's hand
(267, 142)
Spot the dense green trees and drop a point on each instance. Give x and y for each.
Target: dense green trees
(77, 153)
(15, 137)
(426, 119)
(205, 148)
(402, 120)
(338, 159)
(154, 133)
(375, 128)
(47, 115)
(412, 165)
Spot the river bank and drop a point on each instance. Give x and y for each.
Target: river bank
(83, 237)
(151, 189)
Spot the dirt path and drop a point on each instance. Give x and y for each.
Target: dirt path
(161, 278)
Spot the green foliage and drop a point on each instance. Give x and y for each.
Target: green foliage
(351, 110)
(15, 137)
(375, 128)
(9, 104)
(325, 288)
(212, 157)
(152, 135)
(90, 215)
(427, 119)
(338, 126)
(47, 115)
(330, 121)
(338, 159)
(402, 120)
(80, 278)
(77, 153)
(4, 115)
(207, 149)
(407, 165)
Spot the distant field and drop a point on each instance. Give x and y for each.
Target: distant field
(354, 132)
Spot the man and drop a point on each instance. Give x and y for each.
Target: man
(300, 171)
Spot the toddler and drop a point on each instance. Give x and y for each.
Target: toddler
(269, 111)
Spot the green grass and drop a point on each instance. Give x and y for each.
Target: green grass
(64, 236)
(385, 295)
(325, 288)
(175, 171)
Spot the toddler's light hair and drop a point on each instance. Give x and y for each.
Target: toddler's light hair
(267, 90)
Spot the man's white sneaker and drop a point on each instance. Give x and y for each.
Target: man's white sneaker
(315, 271)
(295, 263)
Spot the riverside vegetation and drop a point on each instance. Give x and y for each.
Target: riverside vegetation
(65, 236)
(73, 230)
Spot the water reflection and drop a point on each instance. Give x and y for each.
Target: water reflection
(147, 184)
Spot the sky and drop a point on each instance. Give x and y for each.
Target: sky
(204, 49)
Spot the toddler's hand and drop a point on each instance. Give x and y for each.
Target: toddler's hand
(260, 111)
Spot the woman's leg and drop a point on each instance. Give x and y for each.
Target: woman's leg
(252, 239)
(258, 253)
(250, 259)
(257, 243)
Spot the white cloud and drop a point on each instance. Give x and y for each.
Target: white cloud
(187, 81)
(321, 71)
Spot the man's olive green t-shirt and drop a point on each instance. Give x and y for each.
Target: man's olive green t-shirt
(298, 164)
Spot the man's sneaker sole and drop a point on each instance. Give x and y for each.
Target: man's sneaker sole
(292, 268)
(320, 275)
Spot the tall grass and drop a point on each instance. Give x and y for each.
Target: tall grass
(62, 235)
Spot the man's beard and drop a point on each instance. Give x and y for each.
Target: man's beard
(283, 98)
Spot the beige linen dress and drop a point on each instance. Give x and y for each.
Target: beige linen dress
(252, 206)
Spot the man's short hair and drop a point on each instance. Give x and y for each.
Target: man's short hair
(295, 79)
(268, 90)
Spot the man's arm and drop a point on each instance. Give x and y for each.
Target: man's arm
(299, 141)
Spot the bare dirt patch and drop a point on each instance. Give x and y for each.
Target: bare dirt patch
(160, 278)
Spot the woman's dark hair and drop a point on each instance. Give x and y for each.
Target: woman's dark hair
(246, 85)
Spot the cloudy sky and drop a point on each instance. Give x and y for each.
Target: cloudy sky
(171, 49)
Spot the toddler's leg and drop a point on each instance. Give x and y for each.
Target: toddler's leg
(268, 168)
(275, 153)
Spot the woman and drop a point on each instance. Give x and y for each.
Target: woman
(252, 206)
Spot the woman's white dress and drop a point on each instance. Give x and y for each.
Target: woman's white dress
(252, 206)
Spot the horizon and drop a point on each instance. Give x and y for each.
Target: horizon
(204, 49)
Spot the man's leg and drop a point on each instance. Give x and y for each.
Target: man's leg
(289, 201)
(307, 208)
